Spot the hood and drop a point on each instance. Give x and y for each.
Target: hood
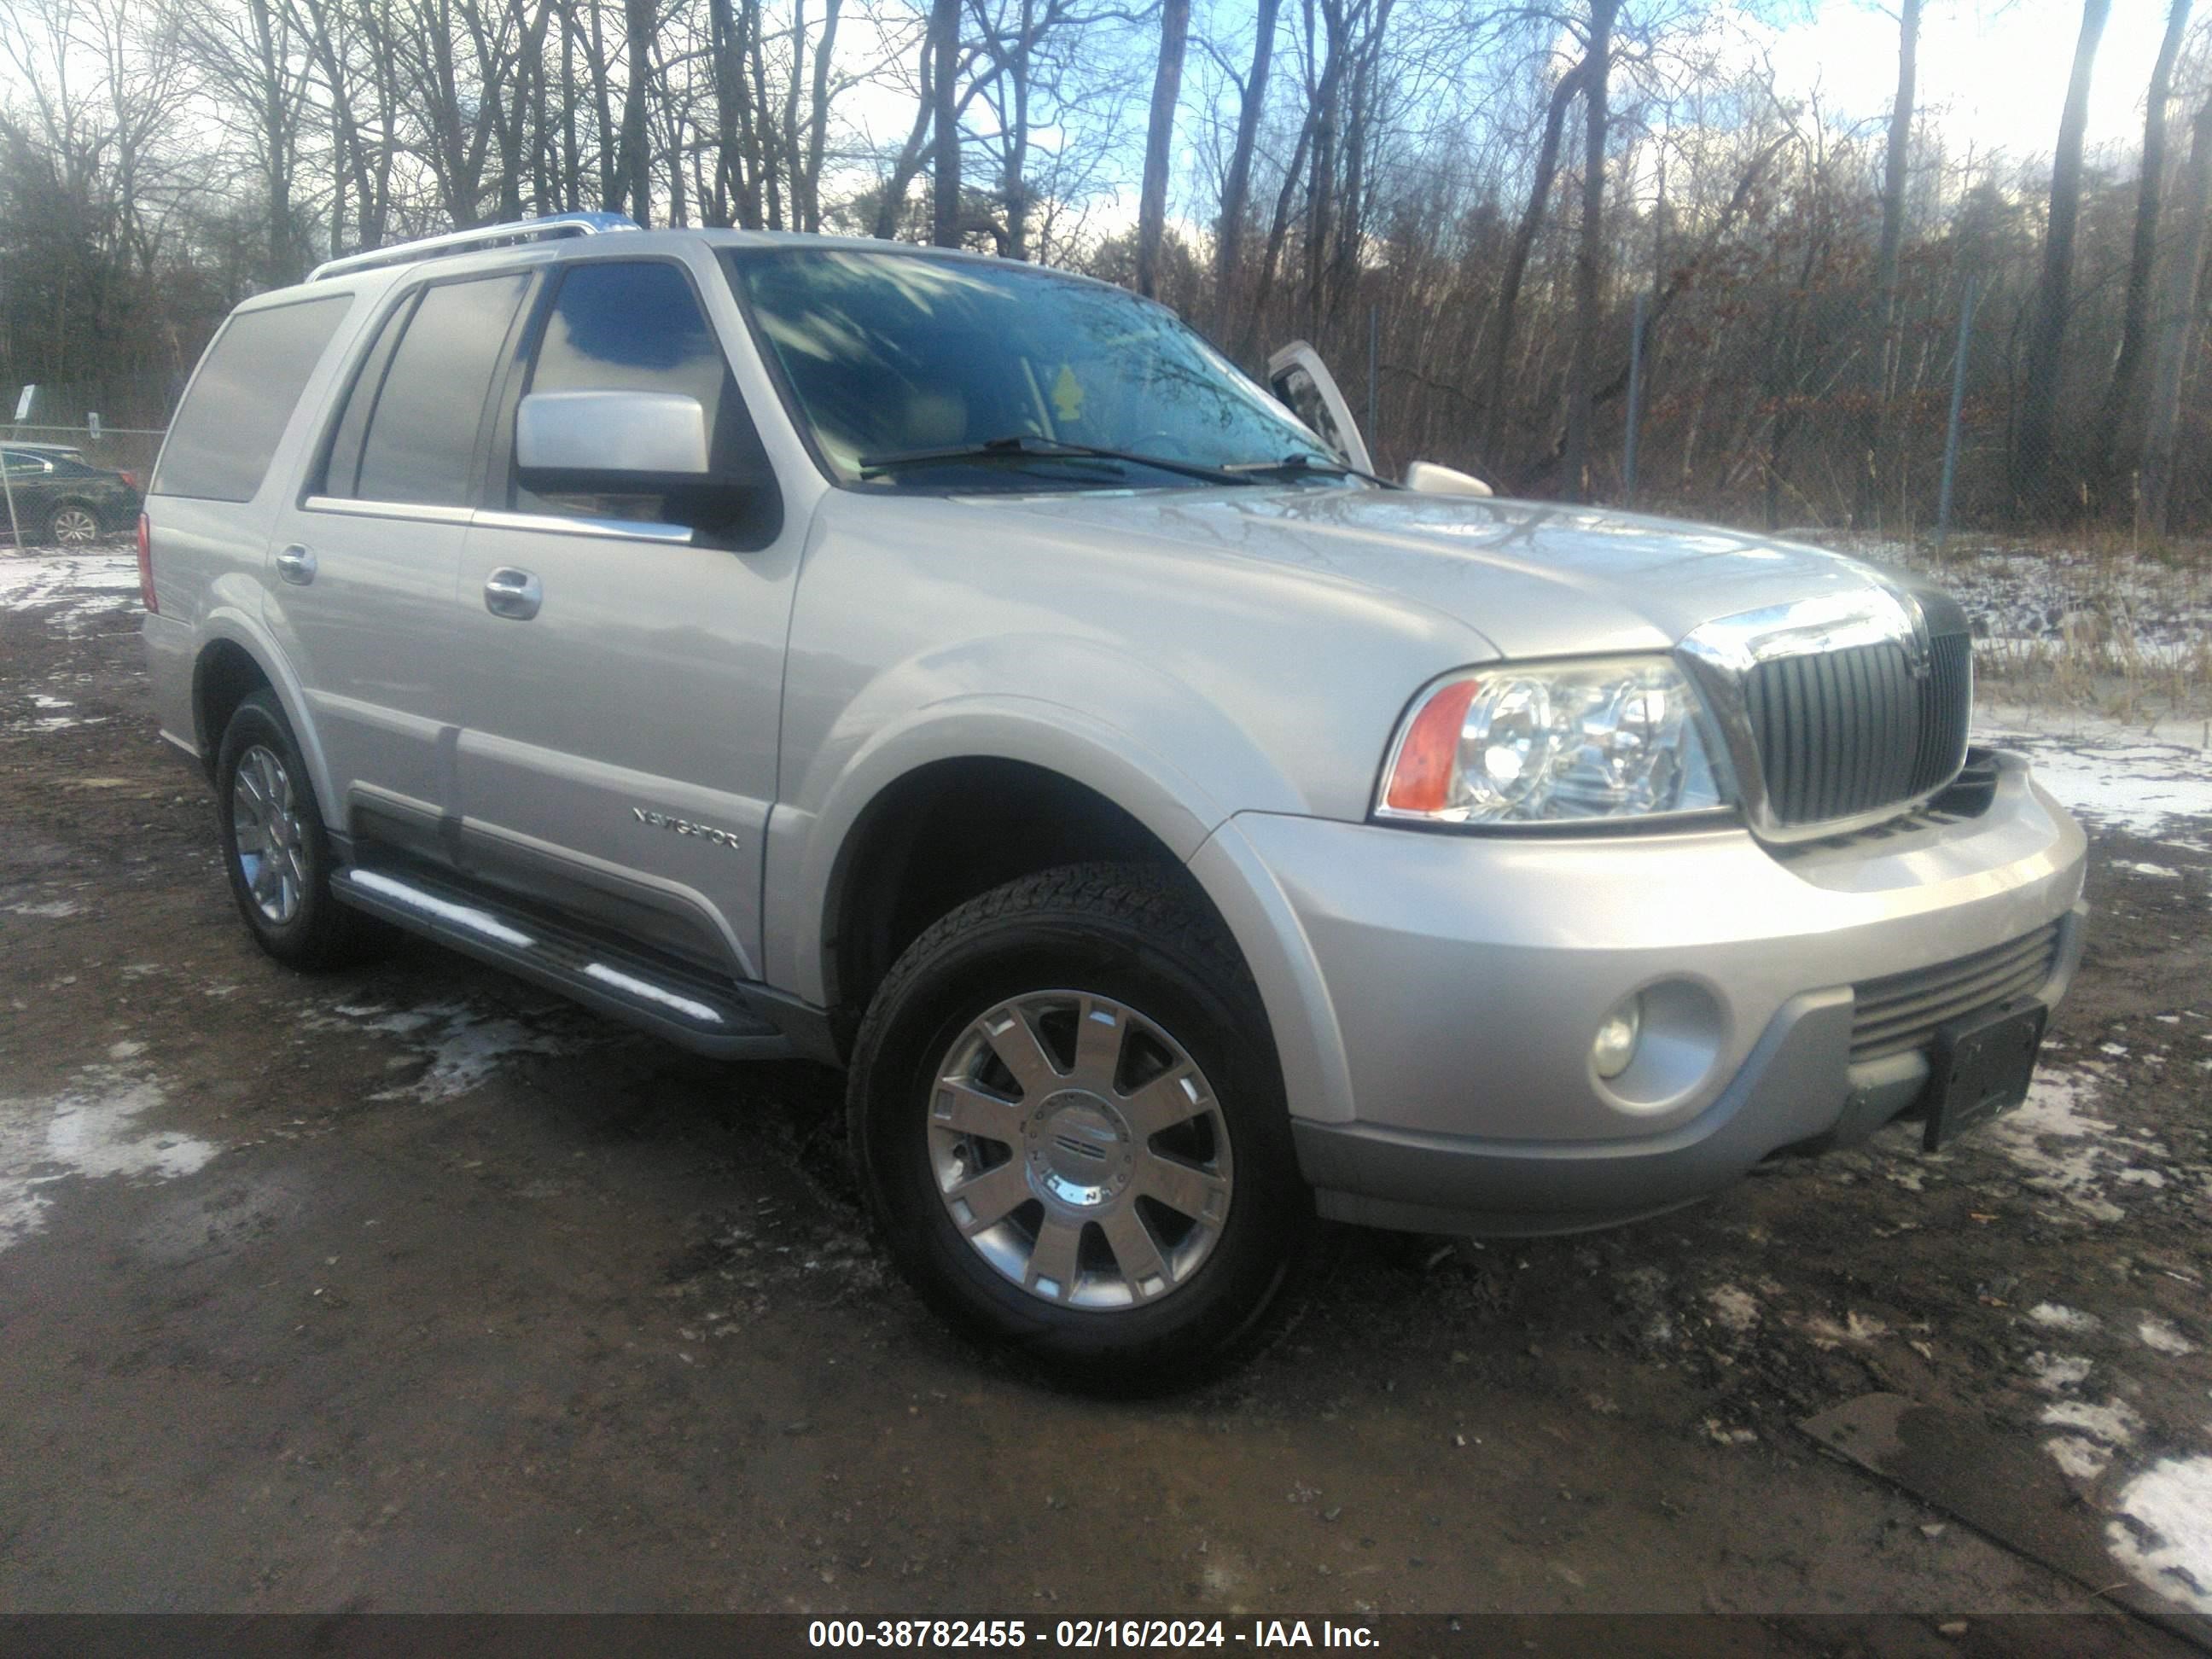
(1533, 578)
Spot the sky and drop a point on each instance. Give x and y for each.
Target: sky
(1992, 72)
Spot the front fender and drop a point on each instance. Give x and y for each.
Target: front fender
(808, 850)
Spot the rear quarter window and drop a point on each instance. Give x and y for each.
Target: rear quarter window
(224, 437)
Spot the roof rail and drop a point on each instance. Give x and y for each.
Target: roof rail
(463, 241)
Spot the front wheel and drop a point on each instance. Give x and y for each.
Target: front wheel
(1068, 1120)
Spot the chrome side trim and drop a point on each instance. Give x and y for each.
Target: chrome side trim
(554, 524)
(627, 529)
(461, 241)
(1720, 653)
(416, 511)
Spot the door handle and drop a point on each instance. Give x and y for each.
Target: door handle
(295, 564)
(514, 594)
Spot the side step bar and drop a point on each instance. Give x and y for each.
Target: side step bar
(694, 1010)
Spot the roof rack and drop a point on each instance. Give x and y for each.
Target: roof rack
(463, 241)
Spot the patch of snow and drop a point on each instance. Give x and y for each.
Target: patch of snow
(2116, 1423)
(2108, 771)
(1734, 1309)
(465, 915)
(2085, 1460)
(2157, 870)
(53, 909)
(89, 1131)
(464, 1048)
(2054, 1373)
(2053, 1113)
(2057, 1316)
(651, 993)
(75, 591)
(2157, 1334)
(2164, 1536)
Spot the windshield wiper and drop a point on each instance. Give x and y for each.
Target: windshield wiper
(1297, 463)
(1027, 446)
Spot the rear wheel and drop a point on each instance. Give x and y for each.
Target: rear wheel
(1068, 1117)
(275, 849)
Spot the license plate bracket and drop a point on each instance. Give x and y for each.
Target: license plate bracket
(1981, 1066)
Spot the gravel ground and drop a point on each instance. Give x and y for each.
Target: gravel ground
(412, 1289)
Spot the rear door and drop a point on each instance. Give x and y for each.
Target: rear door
(363, 568)
(620, 663)
(1303, 381)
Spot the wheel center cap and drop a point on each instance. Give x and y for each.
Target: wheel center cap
(1079, 1149)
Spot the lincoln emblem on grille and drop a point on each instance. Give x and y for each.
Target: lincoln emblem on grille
(1919, 650)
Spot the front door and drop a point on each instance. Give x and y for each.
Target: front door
(622, 673)
(1303, 381)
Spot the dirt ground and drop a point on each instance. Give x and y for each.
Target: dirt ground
(414, 1289)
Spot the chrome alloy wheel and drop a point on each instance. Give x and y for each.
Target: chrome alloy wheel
(1080, 1150)
(75, 526)
(266, 830)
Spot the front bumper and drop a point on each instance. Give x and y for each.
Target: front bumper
(1456, 982)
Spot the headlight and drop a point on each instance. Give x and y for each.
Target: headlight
(1541, 742)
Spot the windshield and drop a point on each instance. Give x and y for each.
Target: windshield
(904, 355)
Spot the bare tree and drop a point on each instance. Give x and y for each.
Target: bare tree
(1235, 189)
(1167, 89)
(1590, 256)
(1565, 91)
(2036, 464)
(1895, 157)
(2176, 326)
(944, 57)
(2118, 424)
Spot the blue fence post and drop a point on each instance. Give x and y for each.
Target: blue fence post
(1958, 406)
(1635, 400)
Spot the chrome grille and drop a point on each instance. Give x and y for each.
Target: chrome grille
(1901, 1012)
(1847, 731)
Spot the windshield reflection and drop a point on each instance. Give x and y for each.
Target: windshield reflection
(890, 353)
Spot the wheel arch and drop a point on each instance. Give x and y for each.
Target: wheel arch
(825, 868)
(234, 659)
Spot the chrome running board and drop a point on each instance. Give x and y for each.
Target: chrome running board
(695, 1010)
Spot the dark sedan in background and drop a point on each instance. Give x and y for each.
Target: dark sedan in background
(62, 499)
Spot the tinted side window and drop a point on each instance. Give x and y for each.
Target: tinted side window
(636, 325)
(421, 436)
(341, 474)
(240, 401)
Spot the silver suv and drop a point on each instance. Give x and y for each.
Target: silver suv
(961, 673)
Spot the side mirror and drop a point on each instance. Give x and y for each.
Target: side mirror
(1431, 479)
(610, 442)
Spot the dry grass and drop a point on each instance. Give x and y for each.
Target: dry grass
(2101, 621)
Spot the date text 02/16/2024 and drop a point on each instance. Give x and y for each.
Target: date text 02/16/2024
(1078, 1634)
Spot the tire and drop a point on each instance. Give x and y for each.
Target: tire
(280, 866)
(1127, 953)
(73, 524)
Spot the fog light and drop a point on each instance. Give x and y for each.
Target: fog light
(1615, 1045)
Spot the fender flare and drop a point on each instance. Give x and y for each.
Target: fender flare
(809, 857)
(228, 623)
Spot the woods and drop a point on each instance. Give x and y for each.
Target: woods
(1488, 188)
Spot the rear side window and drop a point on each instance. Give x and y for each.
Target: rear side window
(420, 440)
(242, 398)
